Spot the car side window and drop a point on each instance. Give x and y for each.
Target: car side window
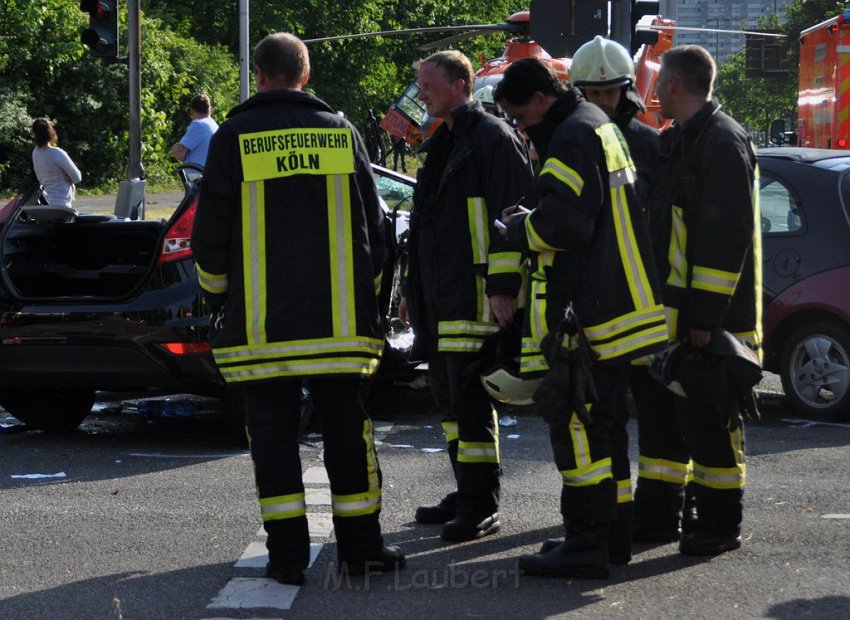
(780, 210)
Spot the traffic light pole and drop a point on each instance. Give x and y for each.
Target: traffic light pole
(135, 170)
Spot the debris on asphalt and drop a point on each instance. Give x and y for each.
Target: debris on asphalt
(507, 421)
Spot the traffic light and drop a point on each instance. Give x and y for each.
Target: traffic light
(641, 36)
(101, 36)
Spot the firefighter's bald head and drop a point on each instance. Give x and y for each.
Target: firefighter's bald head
(281, 61)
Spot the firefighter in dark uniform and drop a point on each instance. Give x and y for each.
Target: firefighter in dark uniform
(464, 280)
(604, 72)
(704, 218)
(591, 252)
(289, 243)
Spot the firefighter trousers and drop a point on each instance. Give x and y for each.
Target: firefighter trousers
(684, 441)
(663, 462)
(585, 453)
(272, 414)
(471, 429)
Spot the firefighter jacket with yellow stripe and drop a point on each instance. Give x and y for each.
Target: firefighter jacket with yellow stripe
(704, 213)
(457, 256)
(289, 233)
(588, 240)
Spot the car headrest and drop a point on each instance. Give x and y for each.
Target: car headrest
(46, 214)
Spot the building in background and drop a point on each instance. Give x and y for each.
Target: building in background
(719, 14)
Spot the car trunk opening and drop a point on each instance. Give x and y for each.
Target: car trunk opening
(89, 256)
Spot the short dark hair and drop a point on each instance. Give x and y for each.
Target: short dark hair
(43, 132)
(525, 77)
(693, 66)
(201, 103)
(455, 65)
(283, 55)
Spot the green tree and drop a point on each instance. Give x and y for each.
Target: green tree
(45, 71)
(381, 66)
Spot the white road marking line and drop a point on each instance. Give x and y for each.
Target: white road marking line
(253, 593)
(316, 475)
(163, 455)
(320, 524)
(317, 497)
(256, 555)
(836, 516)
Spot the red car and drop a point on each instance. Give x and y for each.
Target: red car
(805, 197)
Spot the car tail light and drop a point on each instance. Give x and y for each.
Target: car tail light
(184, 348)
(177, 244)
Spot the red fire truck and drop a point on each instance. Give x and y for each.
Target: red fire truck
(823, 104)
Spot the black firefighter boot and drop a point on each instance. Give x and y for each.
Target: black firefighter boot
(619, 538)
(583, 554)
(440, 513)
(657, 511)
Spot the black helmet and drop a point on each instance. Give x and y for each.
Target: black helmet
(724, 371)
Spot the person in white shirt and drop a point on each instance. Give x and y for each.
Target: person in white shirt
(193, 146)
(53, 168)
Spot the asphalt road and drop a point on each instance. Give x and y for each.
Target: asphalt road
(152, 516)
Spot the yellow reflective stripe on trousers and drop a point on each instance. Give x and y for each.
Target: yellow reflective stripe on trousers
(477, 452)
(283, 507)
(676, 252)
(341, 255)
(451, 431)
(663, 470)
(725, 477)
(479, 228)
(369, 502)
(503, 262)
(624, 491)
(566, 175)
(587, 471)
(357, 504)
(254, 260)
(211, 282)
(714, 280)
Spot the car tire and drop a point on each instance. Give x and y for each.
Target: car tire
(52, 410)
(815, 369)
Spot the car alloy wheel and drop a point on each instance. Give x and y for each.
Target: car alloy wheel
(815, 369)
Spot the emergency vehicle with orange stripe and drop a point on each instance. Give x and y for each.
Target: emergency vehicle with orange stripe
(823, 103)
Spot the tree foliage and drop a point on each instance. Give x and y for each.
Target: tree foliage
(191, 46)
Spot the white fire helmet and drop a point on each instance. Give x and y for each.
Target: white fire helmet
(600, 63)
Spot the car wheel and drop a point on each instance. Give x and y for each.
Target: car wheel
(815, 369)
(53, 410)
